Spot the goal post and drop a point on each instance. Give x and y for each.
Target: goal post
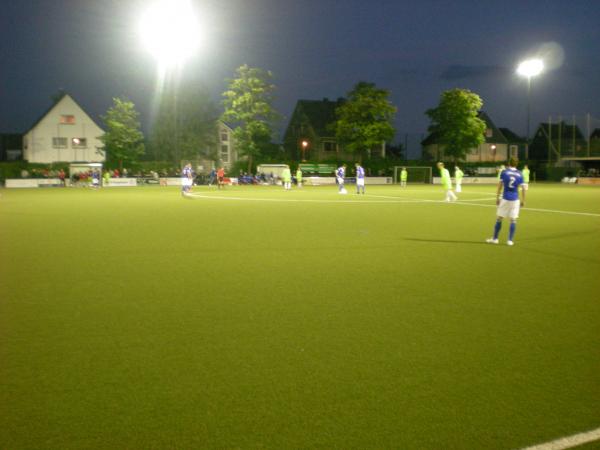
(416, 174)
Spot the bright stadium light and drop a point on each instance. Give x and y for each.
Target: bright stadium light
(529, 68)
(170, 31)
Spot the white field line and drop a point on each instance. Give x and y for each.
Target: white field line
(569, 441)
(525, 209)
(396, 200)
(304, 200)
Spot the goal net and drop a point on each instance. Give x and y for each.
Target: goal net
(415, 174)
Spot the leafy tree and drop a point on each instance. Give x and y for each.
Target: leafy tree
(185, 125)
(248, 104)
(123, 140)
(455, 122)
(364, 121)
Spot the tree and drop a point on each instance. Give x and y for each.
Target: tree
(456, 124)
(248, 103)
(364, 121)
(123, 140)
(185, 125)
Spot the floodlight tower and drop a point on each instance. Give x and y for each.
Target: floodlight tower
(171, 33)
(529, 69)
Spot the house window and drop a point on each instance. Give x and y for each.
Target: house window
(67, 119)
(489, 133)
(329, 146)
(79, 143)
(224, 137)
(59, 142)
(514, 151)
(225, 153)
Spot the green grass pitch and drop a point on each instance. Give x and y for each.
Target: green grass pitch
(133, 318)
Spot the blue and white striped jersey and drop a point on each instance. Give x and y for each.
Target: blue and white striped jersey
(360, 172)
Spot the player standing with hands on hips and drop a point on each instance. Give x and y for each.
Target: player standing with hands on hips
(360, 179)
(508, 201)
(340, 173)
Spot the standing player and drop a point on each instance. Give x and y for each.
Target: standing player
(220, 177)
(403, 177)
(446, 182)
(186, 179)
(95, 179)
(458, 176)
(508, 201)
(340, 173)
(286, 177)
(525, 173)
(360, 179)
(299, 176)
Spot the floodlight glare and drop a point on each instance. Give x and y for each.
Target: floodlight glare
(530, 68)
(170, 32)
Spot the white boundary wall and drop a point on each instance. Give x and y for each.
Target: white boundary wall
(32, 182)
(121, 182)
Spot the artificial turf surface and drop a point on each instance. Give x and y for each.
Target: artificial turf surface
(134, 318)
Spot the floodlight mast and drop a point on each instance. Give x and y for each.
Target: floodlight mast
(170, 32)
(529, 68)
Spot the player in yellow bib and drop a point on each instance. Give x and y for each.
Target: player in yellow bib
(525, 173)
(286, 177)
(458, 176)
(446, 182)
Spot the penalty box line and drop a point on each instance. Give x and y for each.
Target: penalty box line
(525, 209)
(569, 441)
(396, 200)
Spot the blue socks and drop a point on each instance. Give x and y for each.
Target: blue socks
(511, 231)
(497, 228)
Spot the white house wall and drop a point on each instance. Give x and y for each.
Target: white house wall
(38, 142)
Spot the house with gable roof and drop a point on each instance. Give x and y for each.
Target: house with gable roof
(562, 139)
(64, 133)
(313, 122)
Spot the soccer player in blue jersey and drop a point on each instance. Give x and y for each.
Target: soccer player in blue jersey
(186, 179)
(360, 179)
(508, 201)
(340, 173)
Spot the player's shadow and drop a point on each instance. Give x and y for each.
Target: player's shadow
(446, 241)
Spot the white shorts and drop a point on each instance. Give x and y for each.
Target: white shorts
(340, 180)
(186, 181)
(509, 208)
(525, 186)
(360, 181)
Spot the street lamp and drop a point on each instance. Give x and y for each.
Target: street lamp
(529, 68)
(304, 147)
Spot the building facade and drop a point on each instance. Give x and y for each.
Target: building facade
(64, 133)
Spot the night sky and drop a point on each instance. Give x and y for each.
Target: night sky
(316, 49)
